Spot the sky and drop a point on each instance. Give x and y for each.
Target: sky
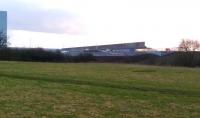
(73, 23)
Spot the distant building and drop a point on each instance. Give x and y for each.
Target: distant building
(3, 22)
(124, 49)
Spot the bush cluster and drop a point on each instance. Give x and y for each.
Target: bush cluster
(41, 55)
(189, 59)
(37, 54)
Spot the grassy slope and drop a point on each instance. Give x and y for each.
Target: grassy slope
(98, 90)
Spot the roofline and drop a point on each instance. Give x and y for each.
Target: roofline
(104, 45)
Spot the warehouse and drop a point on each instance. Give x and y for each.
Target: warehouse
(124, 49)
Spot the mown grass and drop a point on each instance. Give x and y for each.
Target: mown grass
(98, 90)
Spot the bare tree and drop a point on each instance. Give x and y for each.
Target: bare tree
(3, 40)
(195, 45)
(189, 45)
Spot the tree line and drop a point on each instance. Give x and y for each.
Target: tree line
(3, 40)
(189, 45)
(188, 55)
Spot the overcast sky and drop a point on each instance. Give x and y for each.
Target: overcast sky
(71, 23)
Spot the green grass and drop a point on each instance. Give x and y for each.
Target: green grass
(98, 90)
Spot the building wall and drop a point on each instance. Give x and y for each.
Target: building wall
(3, 22)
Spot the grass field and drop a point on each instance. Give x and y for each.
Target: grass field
(52, 90)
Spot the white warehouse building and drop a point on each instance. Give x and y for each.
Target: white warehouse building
(123, 49)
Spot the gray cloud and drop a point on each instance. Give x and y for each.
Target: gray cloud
(23, 16)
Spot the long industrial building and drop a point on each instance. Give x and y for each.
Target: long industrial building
(3, 22)
(124, 49)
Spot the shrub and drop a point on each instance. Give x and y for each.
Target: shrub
(37, 54)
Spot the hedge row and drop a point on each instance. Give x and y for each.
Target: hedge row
(38, 54)
(187, 59)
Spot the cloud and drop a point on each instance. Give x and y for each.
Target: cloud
(22, 16)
